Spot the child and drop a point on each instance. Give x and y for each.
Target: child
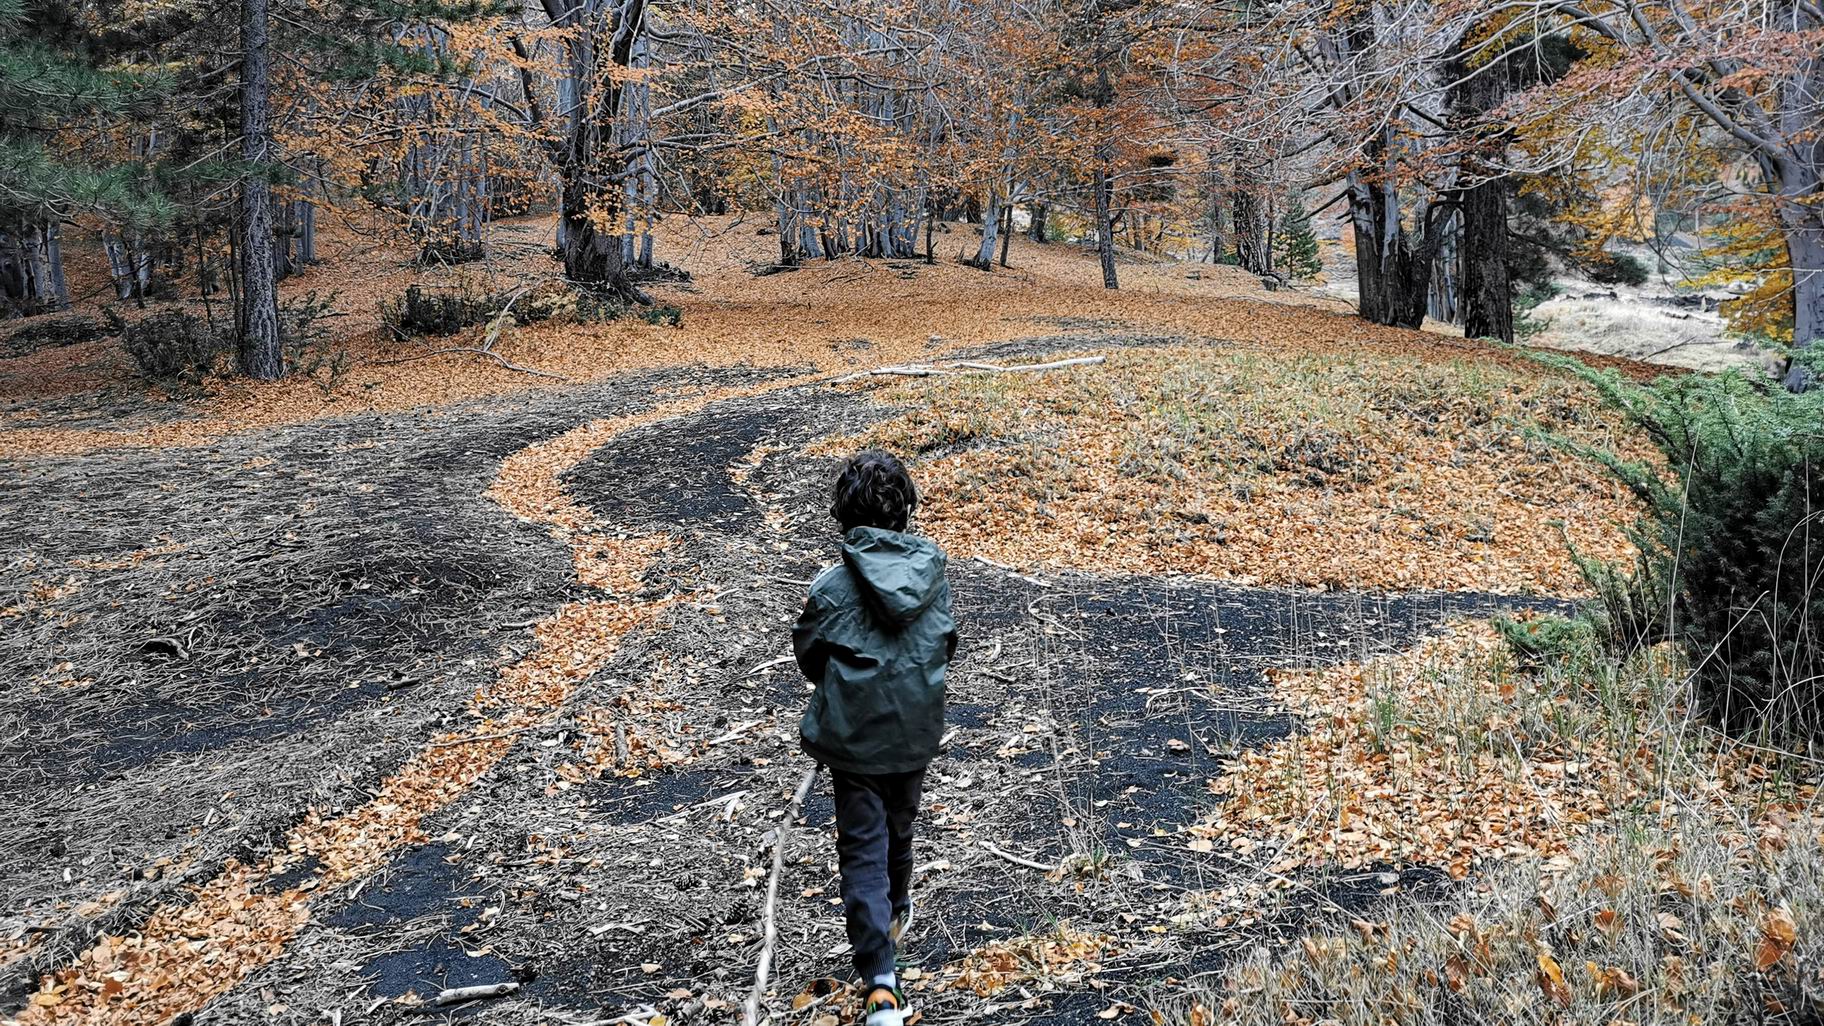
(876, 639)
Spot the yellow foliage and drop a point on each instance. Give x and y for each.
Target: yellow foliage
(1749, 248)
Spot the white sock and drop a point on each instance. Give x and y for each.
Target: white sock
(887, 980)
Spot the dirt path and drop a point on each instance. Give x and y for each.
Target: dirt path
(306, 724)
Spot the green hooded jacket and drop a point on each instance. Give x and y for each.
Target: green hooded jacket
(876, 639)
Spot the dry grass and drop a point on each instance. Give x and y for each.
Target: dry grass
(1674, 920)
(1630, 326)
(1630, 865)
(1338, 471)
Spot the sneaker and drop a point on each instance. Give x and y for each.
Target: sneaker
(902, 922)
(886, 1007)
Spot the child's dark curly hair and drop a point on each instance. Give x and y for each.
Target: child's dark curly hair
(874, 490)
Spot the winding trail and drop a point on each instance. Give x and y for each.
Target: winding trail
(189, 952)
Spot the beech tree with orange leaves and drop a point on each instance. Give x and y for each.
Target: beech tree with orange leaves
(865, 128)
(1750, 73)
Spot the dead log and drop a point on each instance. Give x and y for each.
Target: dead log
(914, 370)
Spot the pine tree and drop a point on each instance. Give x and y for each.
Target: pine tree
(1296, 243)
(52, 79)
(261, 354)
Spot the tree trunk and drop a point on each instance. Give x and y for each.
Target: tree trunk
(1006, 231)
(1488, 294)
(53, 289)
(204, 287)
(261, 356)
(283, 229)
(593, 257)
(120, 266)
(1443, 299)
(788, 232)
(31, 270)
(1037, 230)
(649, 191)
(991, 227)
(306, 220)
(1393, 274)
(1253, 250)
(1105, 228)
(1804, 228)
(1392, 277)
(1215, 221)
(142, 265)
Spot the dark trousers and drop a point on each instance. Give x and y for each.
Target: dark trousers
(874, 816)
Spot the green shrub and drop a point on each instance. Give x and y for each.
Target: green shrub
(309, 350)
(669, 316)
(592, 306)
(448, 251)
(1729, 565)
(426, 310)
(1295, 245)
(1539, 642)
(1526, 302)
(1615, 269)
(52, 332)
(172, 347)
(430, 310)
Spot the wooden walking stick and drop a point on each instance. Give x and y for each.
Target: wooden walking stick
(769, 934)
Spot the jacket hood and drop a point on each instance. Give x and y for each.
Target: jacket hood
(899, 574)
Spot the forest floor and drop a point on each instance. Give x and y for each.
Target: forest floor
(827, 317)
(320, 703)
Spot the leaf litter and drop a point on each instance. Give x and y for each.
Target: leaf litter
(179, 954)
(1339, 472)
(229, 927)
(846, 315)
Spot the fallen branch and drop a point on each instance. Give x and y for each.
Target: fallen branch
(1016, 860)
(1662, 352)
(1075, 361)
(770, 663)
(457, 995)
(500, 319)
(896, 370)
(769, 934)
(638, 1017)
(725, 801)
(734, 733)
(453, 742)
(1028, 578)
(919, 370)
(496, 357)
